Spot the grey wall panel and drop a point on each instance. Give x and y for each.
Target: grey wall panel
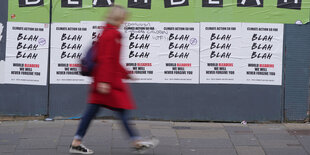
(208, 102)
(183, 102)
(297, 70)
(23, 100)
(69, 101)
(3, 20)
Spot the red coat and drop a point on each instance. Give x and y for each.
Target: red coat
(108, 69)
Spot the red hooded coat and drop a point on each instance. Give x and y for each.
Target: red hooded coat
(109, 70)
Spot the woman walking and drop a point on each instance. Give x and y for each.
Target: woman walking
(107, 89)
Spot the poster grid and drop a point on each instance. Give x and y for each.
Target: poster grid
(154, 52)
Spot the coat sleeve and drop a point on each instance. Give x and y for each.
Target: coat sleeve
(124, 72)
(107, 59)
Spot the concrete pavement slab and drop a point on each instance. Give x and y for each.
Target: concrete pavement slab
(9, 138)
(279, 143)
(7, 148)
(168, 141)
(45, 124)
(305, 141)
(141, 132)
(268, 128)
(275, 136)
(64, 140)
(152, 123)
(97, 131)
(39, 132)
(62, 150)
(37, 143)
(203, 134)
(297, 125)
(250, 150)
(219, 151)
(119, 134)
(205, 143)
(199, 124)
(96, 141)
(117, 126)
(286, 151)
(238, 130)
(13, 123)
(141, 126)
(244, 140)
(160, 127)
(120, 143)
(128, 151)
(11, 129)
(71, 122)
(68, 130)
(164, 132)
(233, 124)
(36, 152)
(167, 150)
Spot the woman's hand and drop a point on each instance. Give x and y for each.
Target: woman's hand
(103, 88)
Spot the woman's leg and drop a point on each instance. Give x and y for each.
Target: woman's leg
(138, 143)
(123, 115)
(89, 114)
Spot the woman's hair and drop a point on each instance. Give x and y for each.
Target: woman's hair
(116, 14)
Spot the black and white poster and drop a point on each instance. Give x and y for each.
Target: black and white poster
(220, 52)
(70, 42)
(140, 49)
(262, 45)
(241, 53)
(179, 54)
(95, 29)
(26, 53)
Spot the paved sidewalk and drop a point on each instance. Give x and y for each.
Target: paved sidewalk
(177, 138)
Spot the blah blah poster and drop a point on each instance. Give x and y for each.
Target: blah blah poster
(140, 49)
(262, 45)
(95, 29)
(220, 53)
(26, 53)
(69, 44)
(179, 54)
(241, 53)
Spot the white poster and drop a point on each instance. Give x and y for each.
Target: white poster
(1, 62)
(220, 52)
(1, 30)
(262, 45)
(26, 53)
(140, 50)
(95, 28)
(179, 53)
(70, 42)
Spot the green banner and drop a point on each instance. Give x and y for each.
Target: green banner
(257, 11)
(29, 11)
(269, 11)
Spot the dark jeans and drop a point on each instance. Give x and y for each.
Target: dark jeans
(90, 113)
